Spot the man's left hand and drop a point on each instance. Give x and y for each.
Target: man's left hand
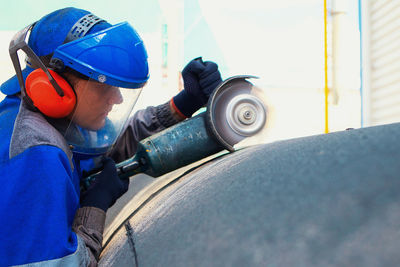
(200, 80)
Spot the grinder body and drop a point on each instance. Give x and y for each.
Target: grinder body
(201, 136)
(170, 149)
(177, 146)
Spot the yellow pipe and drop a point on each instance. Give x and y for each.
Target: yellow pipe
(326, 66)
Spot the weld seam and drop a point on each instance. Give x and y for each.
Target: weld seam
(131, 241)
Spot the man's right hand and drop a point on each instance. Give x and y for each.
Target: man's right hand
(106, 188)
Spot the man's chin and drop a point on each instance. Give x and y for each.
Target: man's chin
(96, 126)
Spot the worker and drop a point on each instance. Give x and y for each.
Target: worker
(68, 110)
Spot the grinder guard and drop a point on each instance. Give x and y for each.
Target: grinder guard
(235, 111)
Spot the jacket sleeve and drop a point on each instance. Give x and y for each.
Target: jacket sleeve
(143, 124)
(89, 225)
(40, 197)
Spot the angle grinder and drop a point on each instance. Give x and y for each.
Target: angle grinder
(235, 111)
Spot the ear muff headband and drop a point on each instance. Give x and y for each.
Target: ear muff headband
(45, 90)
(36, 100)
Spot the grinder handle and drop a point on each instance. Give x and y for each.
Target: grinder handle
(125, 169)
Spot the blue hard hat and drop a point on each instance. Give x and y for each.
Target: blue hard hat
(50, 32)
(115, 56)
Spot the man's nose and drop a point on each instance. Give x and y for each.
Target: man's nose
(114, 96)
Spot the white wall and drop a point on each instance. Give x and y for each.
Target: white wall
(285, 49)
(381, 56)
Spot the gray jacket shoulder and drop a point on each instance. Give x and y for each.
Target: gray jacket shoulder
(32, 129)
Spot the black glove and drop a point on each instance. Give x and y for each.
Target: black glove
(106, 188)
(199, 79)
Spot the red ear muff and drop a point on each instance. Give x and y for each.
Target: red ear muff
(45, 97)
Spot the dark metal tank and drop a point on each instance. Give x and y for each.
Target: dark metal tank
(324, 200)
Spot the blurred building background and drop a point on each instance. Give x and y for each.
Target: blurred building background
(282, 42)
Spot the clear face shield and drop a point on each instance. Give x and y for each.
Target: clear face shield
(99, 117)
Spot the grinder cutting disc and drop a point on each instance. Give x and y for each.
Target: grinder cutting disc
(235, 111)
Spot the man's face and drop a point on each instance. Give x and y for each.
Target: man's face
(94, 101)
